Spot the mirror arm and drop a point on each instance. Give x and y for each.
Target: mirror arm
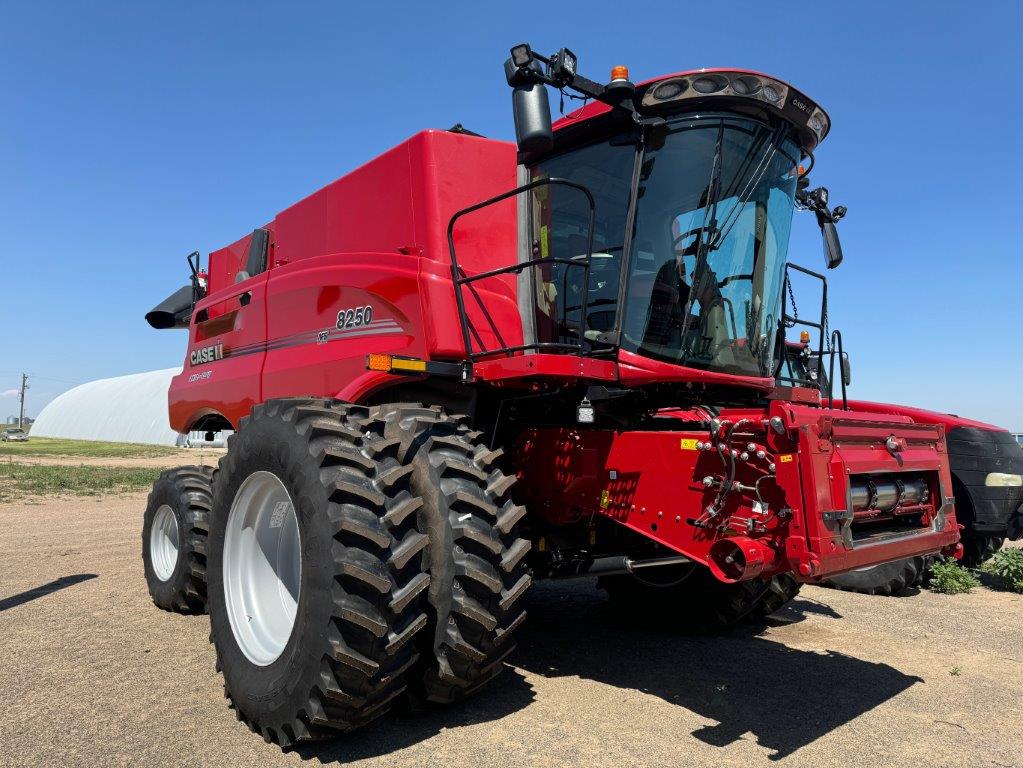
(550, 73)
(198, 291)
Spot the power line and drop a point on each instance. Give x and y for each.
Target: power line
(44, 378)
(61, 381)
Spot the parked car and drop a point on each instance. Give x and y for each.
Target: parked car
(14, 435)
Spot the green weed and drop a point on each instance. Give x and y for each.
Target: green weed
(950, 578)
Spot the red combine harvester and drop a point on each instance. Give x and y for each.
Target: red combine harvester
(470, 364)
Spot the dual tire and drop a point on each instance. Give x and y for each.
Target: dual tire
(358, 556)
(475, 557)
(316, 576)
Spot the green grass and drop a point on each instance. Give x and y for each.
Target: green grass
(950, 578)
(1007, 565)
(19, 481)
(54, 446)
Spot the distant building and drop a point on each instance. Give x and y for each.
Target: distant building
(1019, 437)
(125, 409)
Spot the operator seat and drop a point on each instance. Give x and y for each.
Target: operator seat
(669, 296)
(256, 263)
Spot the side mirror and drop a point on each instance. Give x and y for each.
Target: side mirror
(531, 110)
(846, 370)
(832, 245)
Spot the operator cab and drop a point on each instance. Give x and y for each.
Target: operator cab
(707, 247)
(658, 216)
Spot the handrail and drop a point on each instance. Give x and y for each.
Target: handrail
(836, 346)
(516, 268)
(820, 327)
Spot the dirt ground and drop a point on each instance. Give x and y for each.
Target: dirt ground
(91, 673)
(201, 456)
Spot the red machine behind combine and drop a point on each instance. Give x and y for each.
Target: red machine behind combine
(595, 314)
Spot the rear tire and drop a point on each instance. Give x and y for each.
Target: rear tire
(475, 557)
(358, 573)
(885, 579)
(174, 531)
(695, 602)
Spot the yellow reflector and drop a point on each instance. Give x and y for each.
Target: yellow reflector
(399, 364)
(378, 362)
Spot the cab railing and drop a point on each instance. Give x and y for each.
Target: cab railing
(461, 279)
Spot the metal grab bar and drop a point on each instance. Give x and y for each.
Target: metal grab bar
(788, 320)
(836, 347)
(459, 281)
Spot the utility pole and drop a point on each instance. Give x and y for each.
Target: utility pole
(21, 413)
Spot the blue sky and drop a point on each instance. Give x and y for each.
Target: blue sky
(132, 133)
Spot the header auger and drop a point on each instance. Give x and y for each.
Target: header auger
(470, 364)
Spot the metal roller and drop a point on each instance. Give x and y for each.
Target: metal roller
(884, 493)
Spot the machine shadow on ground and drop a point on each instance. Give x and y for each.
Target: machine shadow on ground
(44, 589)
(508, 694)
(746, 683)
(786, 698)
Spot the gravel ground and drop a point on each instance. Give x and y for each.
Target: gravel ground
(91, 673)
(202, 456)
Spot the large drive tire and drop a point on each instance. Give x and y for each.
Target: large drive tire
(475, 557)
(174, 531)
(978, 548)
(885, 579)
(314, 487)
(693, 602)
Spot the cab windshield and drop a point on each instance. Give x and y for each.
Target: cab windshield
(712, 217)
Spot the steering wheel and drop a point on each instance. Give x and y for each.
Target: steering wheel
(691, 249)
(688, 250)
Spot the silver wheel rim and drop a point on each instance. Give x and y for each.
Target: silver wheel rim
(262, 567)
(163, 542)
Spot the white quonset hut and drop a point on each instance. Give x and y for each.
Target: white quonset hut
(124, 409)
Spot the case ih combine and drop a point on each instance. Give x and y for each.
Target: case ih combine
(470, 364)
